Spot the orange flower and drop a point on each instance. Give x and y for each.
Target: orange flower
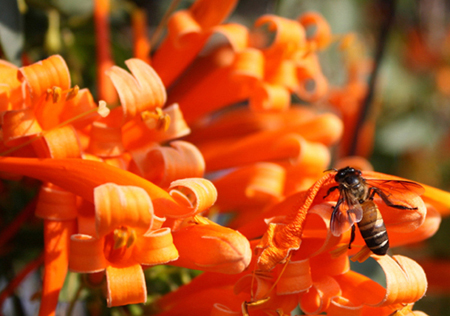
(127, 235)
(301, 262)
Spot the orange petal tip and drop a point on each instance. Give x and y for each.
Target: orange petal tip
(212, 248)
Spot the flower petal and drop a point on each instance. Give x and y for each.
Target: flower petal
(296, 278)
(57, 143)
(82, 176)
(45, 74)
(19, 124)
(212, 248)
(56, 257)
(105, 141)
(155, 247)
(256, 184)
(200, 193)
(125, 285)
(322, 34)
(270, 97)
(406, 281)
(117, 206)
(170, 52)
(86, 254)
(141, 91)
(290, 37)
(318, 298)
(55, 203)
(161, 164)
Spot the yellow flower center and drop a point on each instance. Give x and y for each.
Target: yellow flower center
(119, 244)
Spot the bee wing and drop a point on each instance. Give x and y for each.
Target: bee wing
(397, 190)
(345, 214)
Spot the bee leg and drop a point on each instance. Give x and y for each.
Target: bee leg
(352, 237)
(330, 190)
(386, 200)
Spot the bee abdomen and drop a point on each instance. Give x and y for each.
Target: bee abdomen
(372, 229)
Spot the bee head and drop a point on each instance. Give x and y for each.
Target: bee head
(348, 176)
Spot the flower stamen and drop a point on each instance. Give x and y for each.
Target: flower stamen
(118, 244)
(156, 120)
(56, 92)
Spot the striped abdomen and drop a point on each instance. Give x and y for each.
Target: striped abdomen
(372, 228)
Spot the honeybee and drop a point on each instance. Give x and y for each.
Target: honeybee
(355, 205)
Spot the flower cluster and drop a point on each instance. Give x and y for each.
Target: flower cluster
(125, 181)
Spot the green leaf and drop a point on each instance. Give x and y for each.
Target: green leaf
(11, 31)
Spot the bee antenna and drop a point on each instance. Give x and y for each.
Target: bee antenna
(331, 169)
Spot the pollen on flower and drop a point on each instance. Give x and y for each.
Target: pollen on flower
(156, 119)
(54, 93)
(119, 243)
(72, 93)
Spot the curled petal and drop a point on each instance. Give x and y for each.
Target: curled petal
(200, 193)
(212, 248)
(56, 204)
(86, 254)
(269, 97)
(296, 278)
(322, 34)
(261, 286)
(313, 85)
(155, 247)
(284, 74)
(125, 285)
(105, 141)
(58, 143)
(116, 206)
(236, 34)
(44, 75)
(12, 95)
(290, 36)
(18, 124)
(142, 91)
(248, 63)
(162, 165)
(318, 298)
(340, 306)
(406, 281)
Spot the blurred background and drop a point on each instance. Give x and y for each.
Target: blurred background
(407, 41)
